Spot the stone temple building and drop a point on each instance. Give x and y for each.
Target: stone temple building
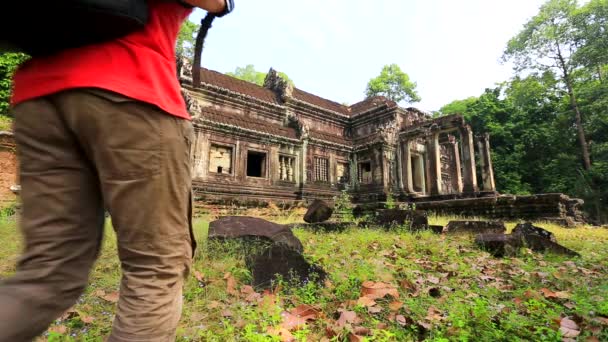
(280, 143)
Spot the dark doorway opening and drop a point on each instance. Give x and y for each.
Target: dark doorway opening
(256, 164)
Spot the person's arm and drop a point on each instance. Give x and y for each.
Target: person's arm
(211, 6)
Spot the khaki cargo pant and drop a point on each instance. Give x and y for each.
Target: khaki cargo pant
(81, 151)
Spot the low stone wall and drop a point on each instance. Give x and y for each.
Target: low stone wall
(8, 167)
(555, 207)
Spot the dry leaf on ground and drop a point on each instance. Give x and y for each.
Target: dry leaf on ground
(375, 290)
(568, 328)
(231, 284)
(112, 297)
(283, 334)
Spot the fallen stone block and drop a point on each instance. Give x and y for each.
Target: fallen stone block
(230, 227)
(417, 219)
(528, 229)
(317, 212)
(501, 245)
(498, 245)
(279, 261)
(436, 229)
(540, 244)
(475, 227)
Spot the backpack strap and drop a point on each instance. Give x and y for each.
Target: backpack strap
(198, 48)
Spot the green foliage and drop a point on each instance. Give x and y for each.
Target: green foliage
(6, 123)
(390, 203)
(532, 119)
(343, 206)
(449, 290)
(8, 64)
(394, 84)
(186, 39)
(249, 74)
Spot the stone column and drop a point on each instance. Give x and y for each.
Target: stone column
(487, 172)
(433, 164)
(399, 172)
(407, 174)
(456, 171)
(468, 160)
(302, 168)
(353, 168)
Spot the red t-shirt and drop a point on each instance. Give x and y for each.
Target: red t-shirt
(140, 65)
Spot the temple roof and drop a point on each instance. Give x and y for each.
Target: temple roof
(370, 103)
(320, 102)
(248, 123)
(333, 138)
(217, 79)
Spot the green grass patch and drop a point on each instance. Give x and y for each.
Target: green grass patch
(6, 123)
(448, 290)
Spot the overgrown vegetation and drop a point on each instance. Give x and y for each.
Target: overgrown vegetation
(383, 286)
(549, 123)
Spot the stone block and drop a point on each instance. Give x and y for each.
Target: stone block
(528, 229)
(417, 219)
(317, 212)
(244, 226)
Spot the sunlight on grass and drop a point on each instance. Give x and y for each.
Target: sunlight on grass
(448, 288)
(6, 123)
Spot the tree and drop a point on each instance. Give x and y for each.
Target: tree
(186, 39)
(8, 64)
(548, 42)
(394, 84)
(249, 74)
(591, 23)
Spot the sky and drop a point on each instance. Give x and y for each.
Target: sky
(332, 48)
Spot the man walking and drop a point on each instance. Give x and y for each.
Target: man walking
(104, 127)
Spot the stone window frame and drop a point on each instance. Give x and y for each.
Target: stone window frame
(295, 166)
(232, 147)
(317, 172)
(346, 168)
(360, 173)
(266, 173)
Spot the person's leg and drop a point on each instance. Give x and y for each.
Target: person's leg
(62, 223)
(143, 158)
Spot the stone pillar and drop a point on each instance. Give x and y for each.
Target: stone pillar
(433, 164)
(303, 162)
(399, 171)
(487, 172)
(407, 174)
(456, 171)
(468, 160)
(354, 176)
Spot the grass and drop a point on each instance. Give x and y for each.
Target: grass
(448, 290)
(6, 123)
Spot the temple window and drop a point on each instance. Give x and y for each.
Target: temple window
(321, 169)
(364, 172)
(287, 168)
(220, 159)
(256, 164)
(342, 172)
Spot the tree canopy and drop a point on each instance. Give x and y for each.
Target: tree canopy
(544, 121)
(249, 74)
(394, 84)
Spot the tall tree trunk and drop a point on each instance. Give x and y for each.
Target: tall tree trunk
(582, 140)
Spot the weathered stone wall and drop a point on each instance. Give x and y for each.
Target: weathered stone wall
(8, 167)
(551, 207)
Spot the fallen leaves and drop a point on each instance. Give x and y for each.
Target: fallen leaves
(550, 294)
(112, 297)
(568, 328)
(230, 284)
(375, 290)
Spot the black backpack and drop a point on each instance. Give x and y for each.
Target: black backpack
(54, 25)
